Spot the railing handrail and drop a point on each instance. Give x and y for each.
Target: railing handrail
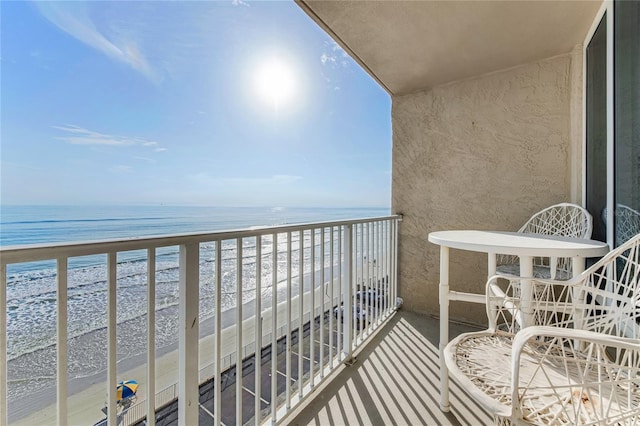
(48, 251)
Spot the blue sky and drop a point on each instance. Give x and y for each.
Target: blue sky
(197, 103)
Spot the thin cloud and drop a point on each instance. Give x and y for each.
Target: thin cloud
(333, 58)
(329, 82)
(334, 55)
(239, 3)
(76, 135)
(73, 18)
(325, 57)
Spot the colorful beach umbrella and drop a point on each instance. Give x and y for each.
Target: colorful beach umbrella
(126, 389)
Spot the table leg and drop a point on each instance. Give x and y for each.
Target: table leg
(491, 271)
(577, 263)
(491, 265)
(526, 290)
(444, 327)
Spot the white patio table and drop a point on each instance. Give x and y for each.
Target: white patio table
(525, 246)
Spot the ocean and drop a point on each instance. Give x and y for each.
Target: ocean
(31, 287)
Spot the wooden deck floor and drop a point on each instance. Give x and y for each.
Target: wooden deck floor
(395, 381)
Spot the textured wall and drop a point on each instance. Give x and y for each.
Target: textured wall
(483, 153)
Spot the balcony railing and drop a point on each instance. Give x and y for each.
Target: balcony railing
(331, 283)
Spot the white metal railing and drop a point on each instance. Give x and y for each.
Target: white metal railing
(346, 268)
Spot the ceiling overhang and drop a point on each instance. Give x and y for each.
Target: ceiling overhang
(411, 46)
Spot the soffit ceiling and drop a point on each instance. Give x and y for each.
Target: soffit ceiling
(411, 46)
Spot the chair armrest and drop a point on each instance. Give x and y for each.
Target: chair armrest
(536, 332)
(551, 301)
(582, 374)
(501, 302)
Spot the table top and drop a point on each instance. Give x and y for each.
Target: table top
(519, 244)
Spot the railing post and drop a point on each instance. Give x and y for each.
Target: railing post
(61, 353)
(218, 338)
(322, 286)
(331, 295)
(396, 248)
(112, 360)
(258, 334)
(4, 418)
(274, 329)
(359, 280)
(339, 317)
(188, 394)
(288, 326)
(366, 278)
(347, 296)
(312, 311)
(151, 336)
(239, 330)
(301, 314)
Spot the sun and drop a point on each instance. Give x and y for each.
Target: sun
(275, 82)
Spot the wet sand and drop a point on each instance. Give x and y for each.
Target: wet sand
(87, 395)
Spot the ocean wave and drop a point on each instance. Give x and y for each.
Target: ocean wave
(24, 273)
(87, 356)
(31, 371)
(36, 330)
(32, 318)
(71, 336)
(34, 283)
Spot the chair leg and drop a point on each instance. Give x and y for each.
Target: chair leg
(502, 421)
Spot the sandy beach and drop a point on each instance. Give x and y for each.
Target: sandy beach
(87, 395)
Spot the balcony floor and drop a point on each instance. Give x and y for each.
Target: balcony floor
(394, 381)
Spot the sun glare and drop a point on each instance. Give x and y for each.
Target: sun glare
(275, 82)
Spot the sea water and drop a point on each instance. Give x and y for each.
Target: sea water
(32, 294)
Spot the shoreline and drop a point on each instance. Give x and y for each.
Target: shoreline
(87, 395)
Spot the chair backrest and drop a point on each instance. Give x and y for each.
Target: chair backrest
(565, 219)
(627, 223)
(612, 290)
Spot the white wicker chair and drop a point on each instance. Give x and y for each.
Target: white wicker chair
(580, 361)
(627, 223)
(565, 219)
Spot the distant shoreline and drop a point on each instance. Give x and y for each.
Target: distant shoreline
(26, 408)
(46, 397)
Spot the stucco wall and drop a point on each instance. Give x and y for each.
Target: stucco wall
(483, 153)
